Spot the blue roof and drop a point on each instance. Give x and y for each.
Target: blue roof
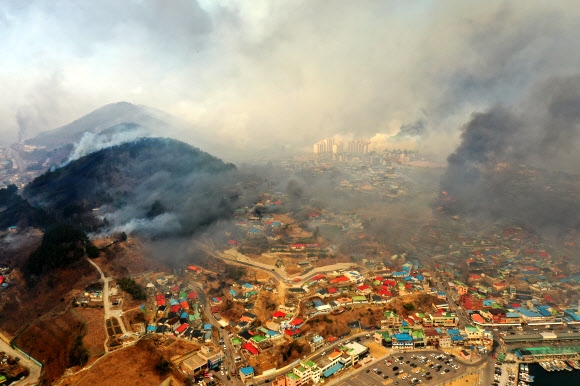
(332, 370)
(151, 328)
(274, 333)
(207, 326)
(403, 337)
(528, 313)
(234, 293)
(184, 315)
(173, 302)
(247, 370)
(453, 331)
(544, 311)
(456, 338)
(512, 314)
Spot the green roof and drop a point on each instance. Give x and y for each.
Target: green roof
(258, 338)
(309, 363)
(292, 376)
(418, 334)
(358, 298)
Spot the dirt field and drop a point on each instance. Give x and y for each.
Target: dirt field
(95, 337)
(376, 350)
(468, 380)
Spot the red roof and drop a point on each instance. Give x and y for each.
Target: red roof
(332, 290)
(194, 268)
(296, 322)
(160, 296)
(340, 279)
(181, 328)
(384, 292)
(175, 288)
(363, 287)
(378, 278)
(477, 318)
(278, 314)
(215, 310)
(161, 302)
(175, 308)
(390, 283)
(232, 242)
(292, 332)
(318, 277)
(192, 295)
(1, 279)
(251, 348)
(184, 305)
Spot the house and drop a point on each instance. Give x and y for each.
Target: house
(246, 373)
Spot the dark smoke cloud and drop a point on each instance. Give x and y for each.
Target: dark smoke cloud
(521, 162)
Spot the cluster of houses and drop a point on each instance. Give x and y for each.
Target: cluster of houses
(179, 311)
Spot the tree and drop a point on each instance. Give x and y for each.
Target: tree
(163, 366)
(409, 306)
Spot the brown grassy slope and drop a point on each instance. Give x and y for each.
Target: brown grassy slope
(134, 365)
(50, 340)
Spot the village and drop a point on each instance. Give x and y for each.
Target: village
(294, 292)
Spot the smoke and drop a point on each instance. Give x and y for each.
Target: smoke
(253, 76)
(91, 142)
(520, 162)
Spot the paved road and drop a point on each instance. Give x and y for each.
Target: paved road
(34, 369)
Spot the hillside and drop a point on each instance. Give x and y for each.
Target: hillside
(152, 185)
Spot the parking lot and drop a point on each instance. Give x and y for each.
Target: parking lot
(420, 367)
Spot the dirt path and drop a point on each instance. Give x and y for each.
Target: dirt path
(108, 313)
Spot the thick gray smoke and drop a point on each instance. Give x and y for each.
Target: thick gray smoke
(521, 162)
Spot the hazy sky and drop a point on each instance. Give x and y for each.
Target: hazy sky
(284, 72)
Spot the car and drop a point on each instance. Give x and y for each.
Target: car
(443, 373)
(395, 368)
(379, 372)
(368, 371)
(385, 376)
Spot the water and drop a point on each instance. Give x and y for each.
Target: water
(559, 378)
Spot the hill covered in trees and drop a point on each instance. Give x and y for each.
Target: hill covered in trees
(151, 185)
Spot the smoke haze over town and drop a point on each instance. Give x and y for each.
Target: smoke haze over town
(282, 75)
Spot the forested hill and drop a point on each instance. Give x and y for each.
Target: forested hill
(152, 182)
